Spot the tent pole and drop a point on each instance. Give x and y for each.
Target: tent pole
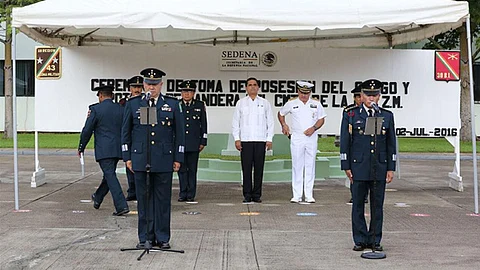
(472, 112)
(14, 108)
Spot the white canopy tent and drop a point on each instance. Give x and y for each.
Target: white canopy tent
(314, 23)
(344, 23)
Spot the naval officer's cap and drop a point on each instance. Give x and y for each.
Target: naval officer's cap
(188, 86)
(304, 87)
(152, 75)
(371, 87)
(103, 88)
(135, 81)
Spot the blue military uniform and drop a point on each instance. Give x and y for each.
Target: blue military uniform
(195, 135)
(165, 142)
(355, 91)
(369, 160)
(105, 122)
(131, 194)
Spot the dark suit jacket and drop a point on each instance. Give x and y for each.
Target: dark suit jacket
(165, 140)
(105, 122)
(358, 152)
(195, 125)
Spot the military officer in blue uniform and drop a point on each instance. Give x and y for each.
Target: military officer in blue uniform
(369, 163)
(165, 143)
(357, 101)
(195, 140)
(135, 85)
(105, 122)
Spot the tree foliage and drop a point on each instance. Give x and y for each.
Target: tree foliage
(455, 39)
(451, 39)
(6, 7)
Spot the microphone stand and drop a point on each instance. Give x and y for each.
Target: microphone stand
(377, 122)
(148, 117)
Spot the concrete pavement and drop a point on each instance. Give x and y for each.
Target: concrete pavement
(427, 225)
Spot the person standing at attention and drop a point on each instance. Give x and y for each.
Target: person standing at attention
(252, 129)
(308, 116)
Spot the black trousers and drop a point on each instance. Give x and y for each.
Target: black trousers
(159, 206)
(110, 183)
(187, 175)
(252, 156)
(359, 226)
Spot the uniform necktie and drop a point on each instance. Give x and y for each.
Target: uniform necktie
(370, 113)
(152, 102)
(188, 104)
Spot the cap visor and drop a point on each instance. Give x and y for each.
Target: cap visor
(304, 92)
(371, 93)
(148, 81)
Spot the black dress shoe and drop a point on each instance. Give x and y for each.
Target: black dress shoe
(247, 200)
(96, 205)
(378, 247)
(182, 200)
(131, 198)
(164, 245)
(359, 247)
(121, 212)
(257, 200)
(190, 200)
(144, 245)
(351, 201)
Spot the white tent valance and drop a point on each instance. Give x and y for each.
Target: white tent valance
(319, 23)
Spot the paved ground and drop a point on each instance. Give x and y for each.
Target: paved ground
(56, 230)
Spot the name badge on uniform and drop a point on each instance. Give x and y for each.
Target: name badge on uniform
(350, 128)
(166, 108)
(295, 107)
(197, 110)
(313, 105)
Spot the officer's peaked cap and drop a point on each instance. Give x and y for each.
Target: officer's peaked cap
(371, 87)
(356, 90)
(304, 87)
(188, 86)
(152, 75)
(135, 81)
(103, 88)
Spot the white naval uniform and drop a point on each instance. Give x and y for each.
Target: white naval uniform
(303, 148)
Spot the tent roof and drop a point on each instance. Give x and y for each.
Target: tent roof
(325, 23)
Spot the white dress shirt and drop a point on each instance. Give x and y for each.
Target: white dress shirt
(304, 115)
(253, 120)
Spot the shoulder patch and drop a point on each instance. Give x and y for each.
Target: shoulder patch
(314, 98)
(350, 107)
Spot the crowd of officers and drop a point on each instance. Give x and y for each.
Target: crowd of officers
(154, 149)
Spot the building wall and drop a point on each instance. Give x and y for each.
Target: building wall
(25, 105)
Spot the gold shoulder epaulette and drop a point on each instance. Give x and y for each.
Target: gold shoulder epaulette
(293, 98)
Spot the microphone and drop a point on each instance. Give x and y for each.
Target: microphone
(375, 107)
(147, 95)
